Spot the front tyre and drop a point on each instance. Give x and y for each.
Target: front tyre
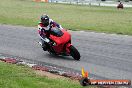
(74, 53)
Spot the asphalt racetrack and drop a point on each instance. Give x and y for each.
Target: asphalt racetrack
(106, 56)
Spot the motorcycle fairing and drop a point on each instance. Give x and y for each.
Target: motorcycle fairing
(61, 42)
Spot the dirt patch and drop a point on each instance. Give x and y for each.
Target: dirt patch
(53, 76)
(47, 74)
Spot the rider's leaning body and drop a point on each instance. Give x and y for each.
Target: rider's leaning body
(43, 29)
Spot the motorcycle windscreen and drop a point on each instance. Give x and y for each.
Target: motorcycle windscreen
(56, 32)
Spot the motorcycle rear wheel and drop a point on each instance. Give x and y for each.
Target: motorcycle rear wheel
(74, 53)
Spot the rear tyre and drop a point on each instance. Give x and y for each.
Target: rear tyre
(74, 53)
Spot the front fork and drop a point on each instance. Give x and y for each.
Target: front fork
(68, 48)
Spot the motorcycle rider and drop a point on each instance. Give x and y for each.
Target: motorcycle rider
(44, 27)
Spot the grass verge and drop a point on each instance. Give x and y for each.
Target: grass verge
(75, 17)
(12, 76)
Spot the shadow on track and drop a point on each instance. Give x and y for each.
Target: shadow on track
(51, 56)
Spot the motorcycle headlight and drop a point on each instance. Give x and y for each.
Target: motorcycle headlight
(54, 44)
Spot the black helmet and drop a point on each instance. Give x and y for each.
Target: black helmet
(45, 19)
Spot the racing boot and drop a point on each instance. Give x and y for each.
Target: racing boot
(43, 45)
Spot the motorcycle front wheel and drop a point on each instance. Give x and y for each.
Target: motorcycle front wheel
(74, 53)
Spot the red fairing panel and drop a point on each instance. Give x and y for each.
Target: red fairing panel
(60, 41)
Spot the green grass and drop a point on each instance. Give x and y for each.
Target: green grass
(12, 76)
(75, 17)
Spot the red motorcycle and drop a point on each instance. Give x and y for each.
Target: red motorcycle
(60, 44)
